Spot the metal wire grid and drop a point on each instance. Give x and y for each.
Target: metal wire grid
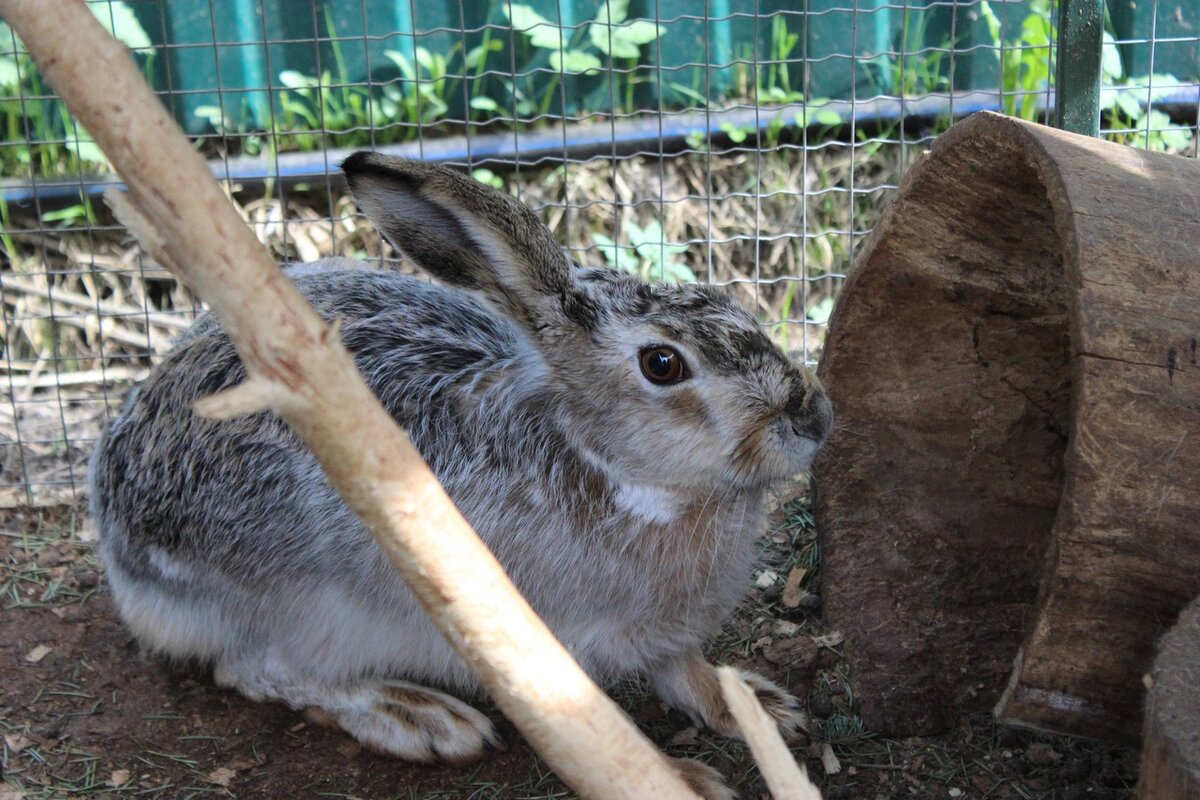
(774, 212)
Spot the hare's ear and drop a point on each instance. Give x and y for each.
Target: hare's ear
(464, 233)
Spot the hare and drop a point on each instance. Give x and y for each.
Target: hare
(610, 440)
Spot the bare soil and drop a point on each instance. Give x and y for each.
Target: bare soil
(82, 712)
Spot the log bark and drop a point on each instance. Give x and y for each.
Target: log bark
(297, 367)
(1171, 735)
(1013, 474)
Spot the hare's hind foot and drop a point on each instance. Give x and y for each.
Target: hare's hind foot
(413, 722)
(401, 719)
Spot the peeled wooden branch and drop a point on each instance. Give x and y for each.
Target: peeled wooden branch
(784, 777)
(1171, 736)
(300, 370)
(1014, 474)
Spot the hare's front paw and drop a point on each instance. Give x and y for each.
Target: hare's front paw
(703, 779)
(782, 707)
(690, 684)
(414, 722)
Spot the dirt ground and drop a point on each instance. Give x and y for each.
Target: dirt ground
(83, 713)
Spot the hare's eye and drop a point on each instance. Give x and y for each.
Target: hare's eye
(662, 365)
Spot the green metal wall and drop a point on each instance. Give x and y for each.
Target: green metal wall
(231, 52)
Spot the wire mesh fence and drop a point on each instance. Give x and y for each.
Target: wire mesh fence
(747, 143)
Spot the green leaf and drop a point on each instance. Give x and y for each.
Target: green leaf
(402, 62)
(1176, 138)
(641, 31)
(1110, 61)
(678, 272)
(119, 20)
(827, 116)
(616, 255)
(86, 150)
(483, 103)
(477, 56)
(542, 33)
(523, 17)
(613, 12)
(9, 74)
(293, 79)
(1129, 105)
(736, 134)
(575, 61)
(484, 175)
(819, 312)
(993, 24)
(69, 215)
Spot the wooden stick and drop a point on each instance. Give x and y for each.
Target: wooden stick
(786, 779)
(299, 369)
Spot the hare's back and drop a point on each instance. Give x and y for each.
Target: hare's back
(164, 479)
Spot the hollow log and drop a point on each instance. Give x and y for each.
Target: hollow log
(1014, 472)
(1171, 734)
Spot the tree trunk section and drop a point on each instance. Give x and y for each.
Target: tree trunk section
(1171, 737)
(1013, 473)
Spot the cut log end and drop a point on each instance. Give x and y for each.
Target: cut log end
(1010, 466)
(948, 365)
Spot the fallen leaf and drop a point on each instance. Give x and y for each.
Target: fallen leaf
(799, 652)
(8, 792)
(685, 737)
(37, 654)
(786, 629)
(118, 778)
(792, 593)
(221, 776)
(829, 761)
(16, 742)
(830, 639)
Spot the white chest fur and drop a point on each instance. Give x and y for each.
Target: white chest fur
(653, 504)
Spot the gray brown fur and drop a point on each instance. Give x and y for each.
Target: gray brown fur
(625, 512)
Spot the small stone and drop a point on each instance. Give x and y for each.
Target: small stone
(1041, 754)
(810, 601)
(37, 654)
(87, 579)
(1077, 770)
(1009, 737)
(821, 705)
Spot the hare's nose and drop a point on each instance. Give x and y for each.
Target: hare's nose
(811, 413)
